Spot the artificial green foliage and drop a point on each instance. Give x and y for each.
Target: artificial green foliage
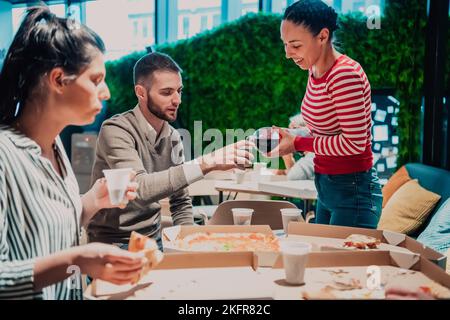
(447, 63)
(405, 56)
(393, 57)
(237, 76)
(119, 77)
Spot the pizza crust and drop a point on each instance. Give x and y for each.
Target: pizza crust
(141, 243)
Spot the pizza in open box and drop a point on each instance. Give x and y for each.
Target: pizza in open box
(360, 241)
(215, 241)
(154, 256)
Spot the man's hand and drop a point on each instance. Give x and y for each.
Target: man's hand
(236, 155)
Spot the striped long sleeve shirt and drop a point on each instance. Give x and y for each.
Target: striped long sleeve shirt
(39, 215)
(337, 110)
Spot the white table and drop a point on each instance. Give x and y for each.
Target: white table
(206, 186)
(301, 189)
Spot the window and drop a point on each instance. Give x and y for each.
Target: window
(362, 6)
(17, 17)
(18, 13)
(250, 6)
(216, 20)
(278, 6)
(135, 28)
(132, 28)
(204, 23)
(195, 16)
(341, 6)
(145, 29)
(186, 26)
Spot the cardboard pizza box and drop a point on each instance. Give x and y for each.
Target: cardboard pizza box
(330, 238)
(192, 276)
(234, 275)
(169, 235)
(360, 275)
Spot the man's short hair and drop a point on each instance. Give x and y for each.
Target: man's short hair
(155, 61)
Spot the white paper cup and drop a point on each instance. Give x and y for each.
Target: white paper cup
(295, 255)
(117, 181)
(288, 215)
(259, 166)
(242, 216)
(239, 175)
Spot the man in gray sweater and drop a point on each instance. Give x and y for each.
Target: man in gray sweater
(143, 140)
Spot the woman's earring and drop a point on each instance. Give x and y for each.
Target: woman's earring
(17, 109)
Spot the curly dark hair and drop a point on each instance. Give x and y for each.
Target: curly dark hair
(312, 14)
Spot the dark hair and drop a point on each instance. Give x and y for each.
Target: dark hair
(42, 43)
(312, 14)
(152, 62)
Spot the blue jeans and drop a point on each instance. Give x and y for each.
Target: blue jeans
(352, 200)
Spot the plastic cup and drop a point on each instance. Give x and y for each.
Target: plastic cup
(239, 175)
(295, 256)
(258, 167)
(288, 215)
(242, 216)
(266, 139)
(117, 181)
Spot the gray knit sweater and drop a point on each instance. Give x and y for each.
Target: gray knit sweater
(126, 141)
(303, 169)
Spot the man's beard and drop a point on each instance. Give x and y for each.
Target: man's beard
(157, 112)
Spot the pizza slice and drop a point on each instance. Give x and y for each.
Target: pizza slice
(360, 241)
(138, 243)
(435, 290)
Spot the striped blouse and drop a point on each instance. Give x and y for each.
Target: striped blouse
(39, 214)
(337, 110)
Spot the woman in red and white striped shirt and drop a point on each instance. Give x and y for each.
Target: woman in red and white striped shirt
(337, 110)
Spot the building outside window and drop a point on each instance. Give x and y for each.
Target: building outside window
(18, 13)
(195, 16)
(204, 23)
(129, 25)
(347, 6)
(250, 6)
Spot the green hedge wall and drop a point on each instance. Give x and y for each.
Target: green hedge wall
(237, 76)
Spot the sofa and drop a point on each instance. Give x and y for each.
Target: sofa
(433, 179)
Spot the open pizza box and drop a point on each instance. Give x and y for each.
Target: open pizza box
(331, 238)
(361, 275)
(192, 276)
(234, 275)
(172, 234)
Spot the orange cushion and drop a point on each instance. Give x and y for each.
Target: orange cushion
(395, 182)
